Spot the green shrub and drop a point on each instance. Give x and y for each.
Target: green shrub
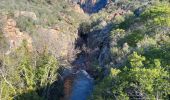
(147, 81)
(24, 78)
(132, 39)
(26, 24)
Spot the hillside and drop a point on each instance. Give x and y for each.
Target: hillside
(84, 49)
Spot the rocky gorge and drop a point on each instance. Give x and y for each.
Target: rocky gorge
(84, 49)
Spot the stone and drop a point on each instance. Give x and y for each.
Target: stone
(77, 8)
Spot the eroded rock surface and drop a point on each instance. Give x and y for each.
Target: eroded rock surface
(14, 36)
(58, 43)
(91, 6)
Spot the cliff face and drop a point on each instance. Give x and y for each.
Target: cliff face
(91, 6)
(14, 36)
(58, 34)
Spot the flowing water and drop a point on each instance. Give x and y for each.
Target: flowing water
(82, 86)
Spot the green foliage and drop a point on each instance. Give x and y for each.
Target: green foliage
(127, 22)
(136, 60)
(103, 91)
(85, 27)
(26, 75)
(117, 31)
(139, 43)
(46, 71)
(132, 39)
(158, 15)
(3, 42)
(161, 53)
(26, 24)
(147, 59)
(138, 78)
(30, 75)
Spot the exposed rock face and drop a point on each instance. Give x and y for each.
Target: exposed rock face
(78, 8)
(14, 36)
(91, 6)
(56, 41)
(119, 12)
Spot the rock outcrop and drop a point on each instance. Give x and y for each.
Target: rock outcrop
(77, 8)
(14, 36)
(91, 6)
(56, 41)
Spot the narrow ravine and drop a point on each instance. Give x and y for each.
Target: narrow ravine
(79, 79)
(82, 75)
(83, 82)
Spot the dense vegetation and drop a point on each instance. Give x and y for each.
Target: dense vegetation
(26, 74)
(128, 50)
(33, 75)
(142, 56)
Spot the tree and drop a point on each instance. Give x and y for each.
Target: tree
(136, 60)
(135, 82)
